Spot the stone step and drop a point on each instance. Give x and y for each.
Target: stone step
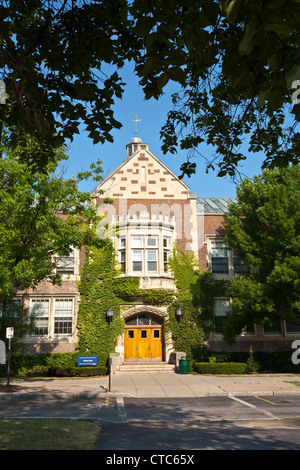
(145, 367)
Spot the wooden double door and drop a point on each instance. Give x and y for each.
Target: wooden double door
(143, 341)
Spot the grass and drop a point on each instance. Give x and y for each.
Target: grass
(295, 382)
(48, 434)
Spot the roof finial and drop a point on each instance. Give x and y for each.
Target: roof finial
(136, 120)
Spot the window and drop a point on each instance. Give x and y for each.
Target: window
(238, 265)
(293, 327)
(40, 309)
(11, 309)
(152, 261)
(151, 241)
(63, 316)
(66, 264)
(144, 254)
(123, 254)
(136, 242)
(219, 257)
(166, 246)
(224, 260)
(52, 316)
(221, 306)
(137, 261)
(275, 328)
(147, 257)
(123, 261)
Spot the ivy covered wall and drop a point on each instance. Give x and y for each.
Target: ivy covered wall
(101, 288)
(97, 294)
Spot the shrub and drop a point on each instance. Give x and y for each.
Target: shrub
(77, 371)
(59, 364)
(220, 368)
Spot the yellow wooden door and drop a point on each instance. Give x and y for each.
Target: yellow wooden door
(143, 343)
(144, 348)
(156, 344)
(131, 343)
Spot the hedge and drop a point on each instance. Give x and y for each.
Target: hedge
(267, 361)
(220, 367)
(46, 364)
(77, 371)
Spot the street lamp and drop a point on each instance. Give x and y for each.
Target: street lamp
(109, 314)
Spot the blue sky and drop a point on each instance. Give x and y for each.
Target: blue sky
(153, 113)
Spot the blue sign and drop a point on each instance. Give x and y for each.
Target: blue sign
(87, 361)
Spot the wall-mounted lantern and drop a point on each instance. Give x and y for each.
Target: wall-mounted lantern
(179, 313)
(109, 314)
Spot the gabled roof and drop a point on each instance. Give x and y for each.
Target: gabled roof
(131, 157)
(214, 204)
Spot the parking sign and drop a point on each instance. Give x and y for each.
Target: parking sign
(9, 332)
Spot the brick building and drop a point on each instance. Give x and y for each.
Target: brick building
(152, 210)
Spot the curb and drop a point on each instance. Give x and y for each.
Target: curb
(129, 395)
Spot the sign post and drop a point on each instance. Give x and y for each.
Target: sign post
(9, 335)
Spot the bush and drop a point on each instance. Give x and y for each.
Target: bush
(262, 361)
(77, 371)
(220, 368)
(37, 365)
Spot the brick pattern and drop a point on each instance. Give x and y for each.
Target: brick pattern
(155, 173)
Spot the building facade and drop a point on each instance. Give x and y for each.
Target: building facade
(152, 210)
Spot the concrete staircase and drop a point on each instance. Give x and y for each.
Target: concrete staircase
(145, 368)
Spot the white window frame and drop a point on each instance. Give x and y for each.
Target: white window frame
(51, 316)
(134, 248)
(149, 261)
(214, 250)
(70, 259)
(67, 314)
(40, 320)
(134, 259)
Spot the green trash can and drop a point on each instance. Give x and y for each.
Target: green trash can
(184, 366)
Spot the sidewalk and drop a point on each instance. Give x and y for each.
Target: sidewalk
(156, 385)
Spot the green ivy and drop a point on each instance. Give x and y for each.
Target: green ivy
(98, 293)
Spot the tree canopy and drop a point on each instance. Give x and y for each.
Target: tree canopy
(237, 63)
(264, 231)
(52, 58)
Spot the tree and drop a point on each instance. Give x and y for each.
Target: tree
(41, 216)
(237, 63)
(59, 62)
(264, 231)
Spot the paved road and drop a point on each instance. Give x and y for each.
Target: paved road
(244, 423)
(175, 424)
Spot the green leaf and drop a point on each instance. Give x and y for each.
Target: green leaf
(292, 75)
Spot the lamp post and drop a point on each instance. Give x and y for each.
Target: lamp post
(109, 315)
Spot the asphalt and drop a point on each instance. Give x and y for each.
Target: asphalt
(156, 385)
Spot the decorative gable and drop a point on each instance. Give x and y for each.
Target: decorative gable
(143, 176)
